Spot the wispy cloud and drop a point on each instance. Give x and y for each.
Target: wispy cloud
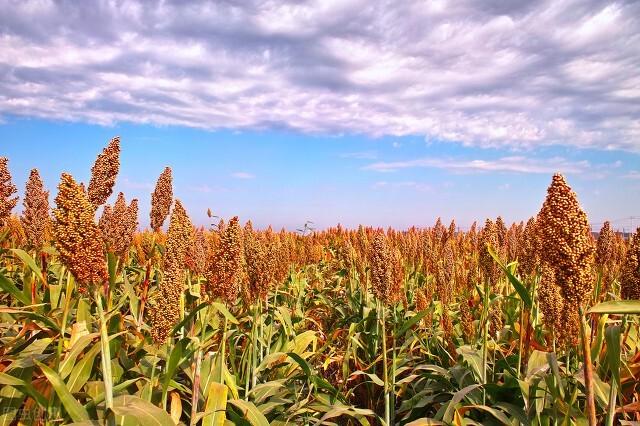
(360, 155)
(418, 186)
(206, 189)
(562, 72)
(512, 164)
(633, 174)
(130, 184)
(242, 175)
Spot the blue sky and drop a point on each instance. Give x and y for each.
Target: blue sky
(286, 178)
(350, 111)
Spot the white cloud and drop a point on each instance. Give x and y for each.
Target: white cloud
(130, 184)
(500, 74)
(206, 189)
(242, 175)
(418, 186)
(360, 155)
(512, 164)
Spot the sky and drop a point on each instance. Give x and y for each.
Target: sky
(380, 113)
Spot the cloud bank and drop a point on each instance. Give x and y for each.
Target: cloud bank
(514, 74)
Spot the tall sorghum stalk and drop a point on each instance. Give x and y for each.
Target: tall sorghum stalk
(588, 371)
(385, 373)
(386, 282)
(106, 355)
(568, 255)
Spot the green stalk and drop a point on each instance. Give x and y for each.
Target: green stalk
(263, 342)
(195, 394)
(164, 388)
(254, 346)
(63, 325)
(105, 357)
(611, 409)
(249, 362)
(520, 338)
(387, 406)
(153, 371)
(393, 365)
(588, 371)
(485, 332)
(222, 350)
(273, 313)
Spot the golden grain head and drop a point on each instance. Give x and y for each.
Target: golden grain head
(179, 239)
(489, 239)
(77, 237)
(566, 242)
(605, 245)
(104, 173)
(7, 190)
(630, 278)
(225, 269)
(36, 219)
(161, 199)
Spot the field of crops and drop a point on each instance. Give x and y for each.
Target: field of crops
(102, 323)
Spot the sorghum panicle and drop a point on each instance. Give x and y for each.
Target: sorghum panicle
(630, 279)
(77, 237)
(225, 269)
(7, 189)
(104, 173)
(161, 199)
(36, 219)
(166, 312)
(567, 247)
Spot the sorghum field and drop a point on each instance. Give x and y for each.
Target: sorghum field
(101, 323)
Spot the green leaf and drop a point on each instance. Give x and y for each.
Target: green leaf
(499, 415)
(301, 362)
(374, 378)
(140, 411)
(617, 307)
(188, 318)
(112, 266)
(33, 316)
(537, 362)
(25, 387)
(216, 405)
(411, 322)
(515, 282)
(76, 411)
(424, 422)
(69, 361)
(8, 380)
(224, 311)
(12, 397)
(82, 370)
(250, 412)
(457, 397)
(612, 336)
(117, 388)
(28, 261)
(7, 285)
(473, 357)
(177, 357)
